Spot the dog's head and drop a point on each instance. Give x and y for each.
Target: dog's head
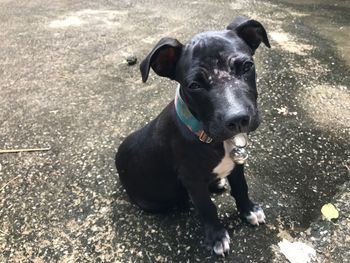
(217, 75)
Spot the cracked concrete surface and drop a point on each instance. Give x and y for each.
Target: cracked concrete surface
(64, 84)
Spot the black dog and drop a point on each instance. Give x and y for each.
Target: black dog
(186, 148)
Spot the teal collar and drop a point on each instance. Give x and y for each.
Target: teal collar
(188, 119)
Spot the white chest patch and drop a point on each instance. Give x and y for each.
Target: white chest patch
(226, 164)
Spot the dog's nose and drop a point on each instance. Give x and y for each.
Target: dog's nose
(238, 122)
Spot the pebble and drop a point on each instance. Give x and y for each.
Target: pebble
(131, 60)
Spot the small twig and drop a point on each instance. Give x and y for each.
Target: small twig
(24, 150)
(2, 188)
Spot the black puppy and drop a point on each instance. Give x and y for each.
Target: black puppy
(186, 148)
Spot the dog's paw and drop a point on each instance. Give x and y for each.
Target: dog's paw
(218, 241)
(218, 186)
(255, 216)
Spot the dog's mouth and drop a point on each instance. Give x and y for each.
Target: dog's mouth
(220, 137)
(220, 133)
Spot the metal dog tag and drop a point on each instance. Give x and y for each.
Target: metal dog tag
(239, 153)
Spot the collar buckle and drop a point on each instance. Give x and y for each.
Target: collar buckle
(204, 138)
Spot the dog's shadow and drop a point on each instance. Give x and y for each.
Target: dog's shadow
(174, 235)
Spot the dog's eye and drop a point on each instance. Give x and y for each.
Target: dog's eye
(247, 66)
(194, 86)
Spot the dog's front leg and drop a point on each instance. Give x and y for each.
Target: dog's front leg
(216, 236)
(250, 211)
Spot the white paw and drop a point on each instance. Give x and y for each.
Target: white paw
(221, 183)
(256, 217)
(222, 246)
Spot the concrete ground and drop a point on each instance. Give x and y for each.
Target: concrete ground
(64, 84)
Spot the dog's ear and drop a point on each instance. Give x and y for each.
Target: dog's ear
(251, 31)
(163, 59)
